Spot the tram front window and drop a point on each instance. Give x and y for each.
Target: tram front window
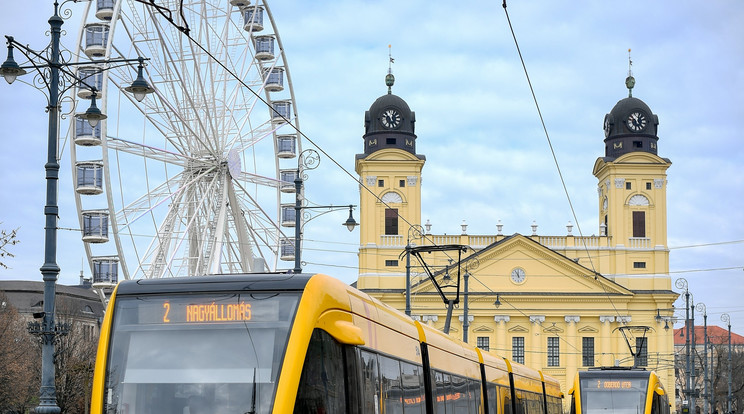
(194, 354)
(618, 396)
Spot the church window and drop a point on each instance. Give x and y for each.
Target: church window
(518, 349)
(637, 144)
(381, 183)
(482, 342)
(639, 265)
(627, 185)
(648, 186)
(391, 263)
(639, 224)
(554, 351)
(641, 356)
(391, 221)
(390, 141)
(587, 351)
(402, 183)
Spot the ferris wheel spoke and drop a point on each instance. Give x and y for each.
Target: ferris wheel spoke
(150, 152)
(189, 219)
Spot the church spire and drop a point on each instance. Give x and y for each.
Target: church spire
(389, 78)
(630, 80)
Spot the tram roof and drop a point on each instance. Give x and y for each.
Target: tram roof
(233, 282)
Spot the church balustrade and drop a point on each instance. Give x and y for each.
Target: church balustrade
(392, 240)
(481, 241)
(445, 239)
(553, 241)
(639, 243)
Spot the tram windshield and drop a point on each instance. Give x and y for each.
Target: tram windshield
(197, 353)
(613, 395)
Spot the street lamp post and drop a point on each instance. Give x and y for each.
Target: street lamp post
(689, 391)
(53, 72)
(309, 159)
(465, 316)
(726, 318)
(416, 231)
(701, 308)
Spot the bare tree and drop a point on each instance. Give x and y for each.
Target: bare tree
(75, 358)
(19, 359)
(720, 379)
(7, 238)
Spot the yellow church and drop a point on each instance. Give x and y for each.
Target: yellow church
(559, 303)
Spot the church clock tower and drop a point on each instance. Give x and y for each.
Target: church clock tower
(632, 192)
(390, 199)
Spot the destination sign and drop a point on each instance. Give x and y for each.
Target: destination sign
(208, 312)
(614, 384)
(206, 309)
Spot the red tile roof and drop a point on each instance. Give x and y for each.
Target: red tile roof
(716, 335)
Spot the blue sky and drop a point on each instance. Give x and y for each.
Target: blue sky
(487, 155)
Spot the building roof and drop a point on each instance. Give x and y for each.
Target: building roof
(28, 296)
(716, 335)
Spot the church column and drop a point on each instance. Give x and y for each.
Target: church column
(534, 356)
(606, 358)
(501, 347)
(573, 351)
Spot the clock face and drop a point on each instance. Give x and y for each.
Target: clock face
(607, 126)
(518, 275)
(636, 121)
(390, 118)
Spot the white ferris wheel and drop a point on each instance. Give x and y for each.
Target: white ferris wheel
(190, 181)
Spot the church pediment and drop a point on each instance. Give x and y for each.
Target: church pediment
(518, 328)
(520, 265)
(554, 329)
(483, 328)
(587, 329)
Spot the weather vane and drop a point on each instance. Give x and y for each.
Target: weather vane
(389, 78)
(630, 80)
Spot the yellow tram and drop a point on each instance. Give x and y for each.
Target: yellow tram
(621, 390)
(283, 343)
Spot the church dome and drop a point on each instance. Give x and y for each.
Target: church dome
(376, 117)
(630, 127)
(389, 123)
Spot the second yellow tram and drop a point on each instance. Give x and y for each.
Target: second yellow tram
(621, 390)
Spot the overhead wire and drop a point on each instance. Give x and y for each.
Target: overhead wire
(378, 198)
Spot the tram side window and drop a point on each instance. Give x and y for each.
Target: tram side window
(392, 394)
(460, 394)
(493, 398)
(529, 403)
(442, 404)
(474, 395)
(554, 405)
(660, 405)
(507, 400)
(370, 383)
(322, 387)
(412, 380)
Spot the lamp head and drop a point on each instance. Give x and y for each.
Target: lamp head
(10, 69)
(350, 223)
(139, 87)
(497, 303)
(93, 115)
